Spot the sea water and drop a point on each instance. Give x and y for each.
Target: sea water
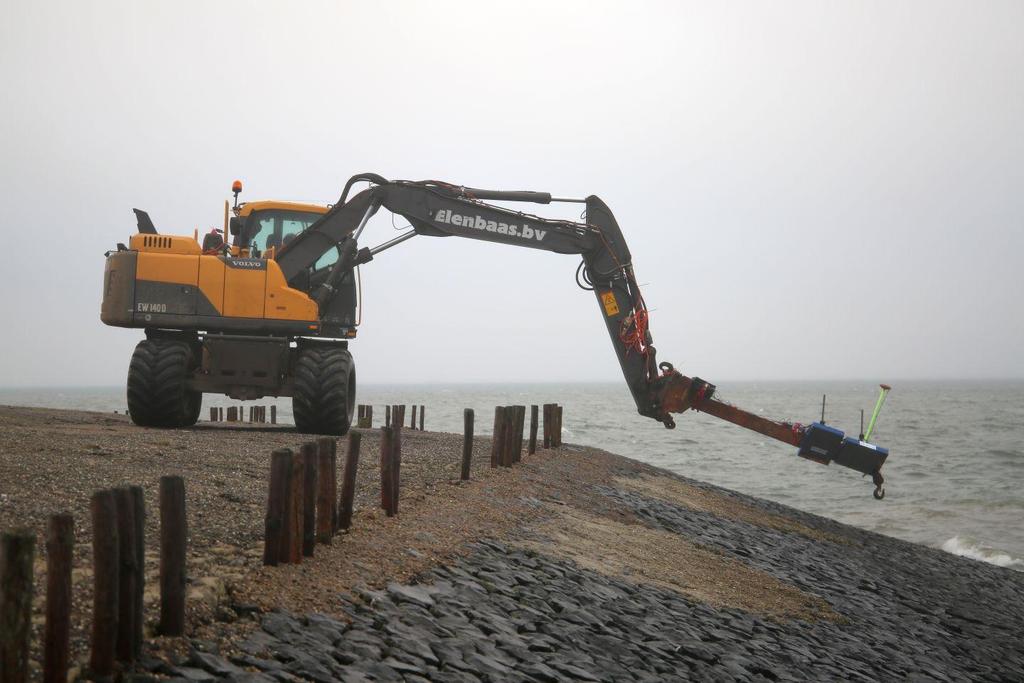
(954, 478)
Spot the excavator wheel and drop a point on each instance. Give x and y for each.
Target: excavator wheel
(158, 393)
(324, 395)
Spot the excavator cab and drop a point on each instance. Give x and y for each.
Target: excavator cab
(263, 225)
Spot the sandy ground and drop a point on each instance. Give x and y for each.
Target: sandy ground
(52, 460)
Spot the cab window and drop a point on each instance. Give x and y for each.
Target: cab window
(277, 227)
(327, 259)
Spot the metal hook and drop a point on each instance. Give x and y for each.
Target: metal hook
(878, 480)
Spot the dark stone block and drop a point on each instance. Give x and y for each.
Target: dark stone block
(257, 662)
(414, 594)
(279, 623)
(212, 663)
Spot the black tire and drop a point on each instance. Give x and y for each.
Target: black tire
(158, 394)
(324, 396)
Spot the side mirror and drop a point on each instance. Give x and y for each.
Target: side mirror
(236, 225)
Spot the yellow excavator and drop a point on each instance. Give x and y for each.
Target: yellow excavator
(268, 306)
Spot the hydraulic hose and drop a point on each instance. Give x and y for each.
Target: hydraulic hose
(361, 177)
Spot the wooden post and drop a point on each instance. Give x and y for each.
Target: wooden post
(128, 574)
(273, 527)
(213, 414)
(557, 437)
(519, 433)
(326, 490)
(273, 415)
(106, 567)
(60, 542)
(386, 485)
(334, 486)
(467, 442)
(547, 425)
(173, 535)
(554, 426)
(138, 501)
(506, 429)
(17, 550)
(396, 460)
(511, 440)
(520, 423)
(294, 506)
(387, 416)
(310, 456)
(501, 436)
(412, 420)
(348, 482)
(552, 429)
(498, 434)
(423, 411)
(396, 471)
(532, 448)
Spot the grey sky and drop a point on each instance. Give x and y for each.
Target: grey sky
(809, 190)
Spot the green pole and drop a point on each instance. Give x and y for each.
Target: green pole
(878, 408)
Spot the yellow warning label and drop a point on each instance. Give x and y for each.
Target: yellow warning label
(610, 306)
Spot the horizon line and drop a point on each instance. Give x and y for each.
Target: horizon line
(583, 382)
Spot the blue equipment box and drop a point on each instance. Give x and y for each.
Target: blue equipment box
(821, 443)
(861, 456)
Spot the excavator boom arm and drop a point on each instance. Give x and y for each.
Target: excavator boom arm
(442, 210)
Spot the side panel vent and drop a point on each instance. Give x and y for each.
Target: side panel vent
(156, 242)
